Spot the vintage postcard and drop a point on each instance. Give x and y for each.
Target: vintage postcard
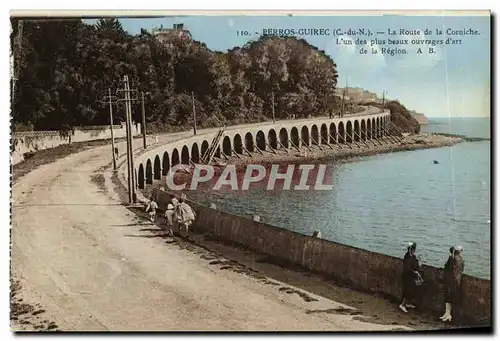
(251, 171)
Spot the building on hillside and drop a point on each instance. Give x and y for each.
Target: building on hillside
(165, 34)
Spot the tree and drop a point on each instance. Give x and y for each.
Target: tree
(66, 65)
(109, 25)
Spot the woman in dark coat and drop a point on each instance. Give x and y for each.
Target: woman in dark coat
(453, 270)
(409, 277)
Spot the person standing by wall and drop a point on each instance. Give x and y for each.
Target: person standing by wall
(317, 234)
(453, 270)
(410, 278)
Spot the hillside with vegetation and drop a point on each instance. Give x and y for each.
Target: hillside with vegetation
(64, 68)
(400, 116)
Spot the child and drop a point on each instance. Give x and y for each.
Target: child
(169, 218)
(152, 207)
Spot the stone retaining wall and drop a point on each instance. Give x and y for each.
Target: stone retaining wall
(356, 268)
(32, 141)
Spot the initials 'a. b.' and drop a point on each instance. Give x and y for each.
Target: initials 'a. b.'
(431, 50)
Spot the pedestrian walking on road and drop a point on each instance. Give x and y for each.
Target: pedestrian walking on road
(453, 270)
(151, 208)
(185, 215)
(411, 278)
(175, 202)
(169, 218)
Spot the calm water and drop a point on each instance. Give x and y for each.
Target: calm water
(380, 203)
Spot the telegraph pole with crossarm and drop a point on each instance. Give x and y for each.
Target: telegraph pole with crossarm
(130, 149)
(108, 99)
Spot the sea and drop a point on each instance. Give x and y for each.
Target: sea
(381, 203)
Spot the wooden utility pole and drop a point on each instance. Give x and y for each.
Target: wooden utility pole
(110, 100)
(129, 154)
(130, 138)
(111, 127)
(143, 122)
(343, 99)
(194, 113)
(272, 99)
(130, 147)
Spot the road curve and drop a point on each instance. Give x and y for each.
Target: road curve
(78, 253)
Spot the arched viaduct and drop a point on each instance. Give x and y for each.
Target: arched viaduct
(153, 165)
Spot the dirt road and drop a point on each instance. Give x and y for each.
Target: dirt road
(77, 252)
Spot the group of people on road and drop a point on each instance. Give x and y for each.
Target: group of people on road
(179, 216)
(412, 279)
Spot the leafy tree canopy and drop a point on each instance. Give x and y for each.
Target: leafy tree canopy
(64, 68)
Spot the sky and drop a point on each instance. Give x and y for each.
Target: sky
(452, 81)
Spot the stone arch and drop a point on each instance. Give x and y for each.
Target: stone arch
(260, 140)
(149, 173)
(226, 146)
(341, 136)
(185, 155)
(294, 134)
(304, 135)
(315, 134)
(165, 164)
(249, 141)
(157, 168)
(272, 138)
(356, 131)
(195, 153)
(377, 129)
(348, 135)
(140, 182)
(284, 137)
(333, 133)
(217, 152)
(374, 129)
(204, 147)
(175, 157)
(324, 134)
(363, 130)
(369, 129)
(238, 144)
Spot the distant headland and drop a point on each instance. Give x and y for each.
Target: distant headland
(362, 96)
